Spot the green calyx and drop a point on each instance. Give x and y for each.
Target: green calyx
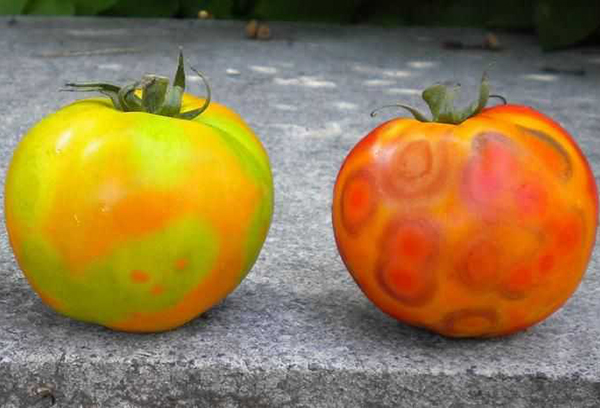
(440, 99)
(158, 96)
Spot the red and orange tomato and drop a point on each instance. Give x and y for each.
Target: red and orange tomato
(481, 228)
(137, 221)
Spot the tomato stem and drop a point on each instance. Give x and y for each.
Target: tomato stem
(440, 99)
(157, 95)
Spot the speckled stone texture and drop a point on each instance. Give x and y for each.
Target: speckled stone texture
(297, 332)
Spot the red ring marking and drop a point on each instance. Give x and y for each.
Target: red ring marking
(358, 201)
(486, 316)
(491, 171)
(415, 170)
(480, 269)
(406, 267)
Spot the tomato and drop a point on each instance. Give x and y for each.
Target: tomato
(476, 223)
(134, 220)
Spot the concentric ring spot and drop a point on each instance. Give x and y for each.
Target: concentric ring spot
(415, 169)
(407, 262)
(470, 321)
(490, 172)
(554, 156)
(480, 267)
(358, 201)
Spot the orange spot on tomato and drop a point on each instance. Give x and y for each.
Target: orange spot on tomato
(519, 282)
(358, 201)
(546, 263)
(409, 285)
(412, 242)
(531, 199)
(407, 261)
(157, 290)
(181, 263)
(523, 278)
(405, 280)
(139, 276)
(359, 197)
(470, 322)
(480, 270)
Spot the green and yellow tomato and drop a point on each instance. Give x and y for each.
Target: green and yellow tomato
(135, 220)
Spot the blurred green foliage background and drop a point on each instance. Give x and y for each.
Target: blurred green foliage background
(557, 23)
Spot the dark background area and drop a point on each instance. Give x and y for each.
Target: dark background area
(556, 23)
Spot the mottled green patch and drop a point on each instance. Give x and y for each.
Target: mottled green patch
(248, 160)
(43, 267)
(23, 190)
(259, 173)
(46, 152)
(106, 291)
(257, 233)
(161, 151)
(243, 144)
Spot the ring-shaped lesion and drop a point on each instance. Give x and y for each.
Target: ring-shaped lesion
(470, 321)
(415, 169)
(480, 266)
(491, 175)
(552, 153)
(406, 269)
(358, 200)
(556, 254)
(490, 252)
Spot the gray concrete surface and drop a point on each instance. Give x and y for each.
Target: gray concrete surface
(297, 332)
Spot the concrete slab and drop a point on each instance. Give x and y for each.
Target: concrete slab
(297, 332)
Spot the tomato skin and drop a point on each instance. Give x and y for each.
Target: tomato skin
(135, 221)
(479, 229)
